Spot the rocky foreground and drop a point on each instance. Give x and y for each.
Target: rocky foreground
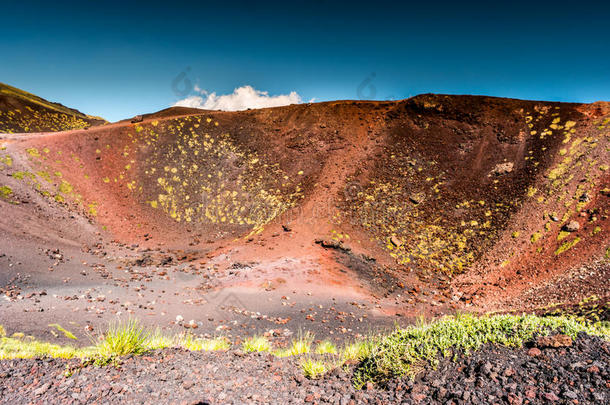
(549, 370)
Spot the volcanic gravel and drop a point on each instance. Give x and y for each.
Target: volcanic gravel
(577, 374)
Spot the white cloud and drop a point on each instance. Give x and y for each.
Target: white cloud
(199, 90)
(191, 101)
(242, 98)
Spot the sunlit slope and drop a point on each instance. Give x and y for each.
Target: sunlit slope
(458, 174)
(434, 183)
(22, 112)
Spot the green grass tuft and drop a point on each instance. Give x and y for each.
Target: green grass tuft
(406, 351)
(256, 344)
(326, 347)
(189, 342)
(300, 345)
(121, 338)
(159, 340)
(124, 337)
(313, 368)
(22, 347)
(360, 350)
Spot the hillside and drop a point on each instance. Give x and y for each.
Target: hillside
(307, 233)
(22, 112)
(475, 196)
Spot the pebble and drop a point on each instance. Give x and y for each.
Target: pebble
(534, 352)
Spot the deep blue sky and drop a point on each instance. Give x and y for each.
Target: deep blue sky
(117, 59)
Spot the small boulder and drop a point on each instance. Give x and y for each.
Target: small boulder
(534, 352)
(571, 226)
(593, 369)
(329, 243)
(485, 368)
(551, 396)
(137, 118)
(570, 394)
(395, 241)
(509, 372)
(417, 198)
(42, 389)
(503, 168)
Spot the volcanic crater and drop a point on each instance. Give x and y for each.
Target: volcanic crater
(337, 217)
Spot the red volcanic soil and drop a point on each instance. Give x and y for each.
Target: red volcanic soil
(426, 205)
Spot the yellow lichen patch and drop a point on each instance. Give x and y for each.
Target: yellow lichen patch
(570, 124)
(38, 121)
(567, 246)
(65, 187)
(33, 152)
(206, 177)
(405, 230)
(6, 160)
(535, 237)
(531, 191)
(5, 192)
(93, 208)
